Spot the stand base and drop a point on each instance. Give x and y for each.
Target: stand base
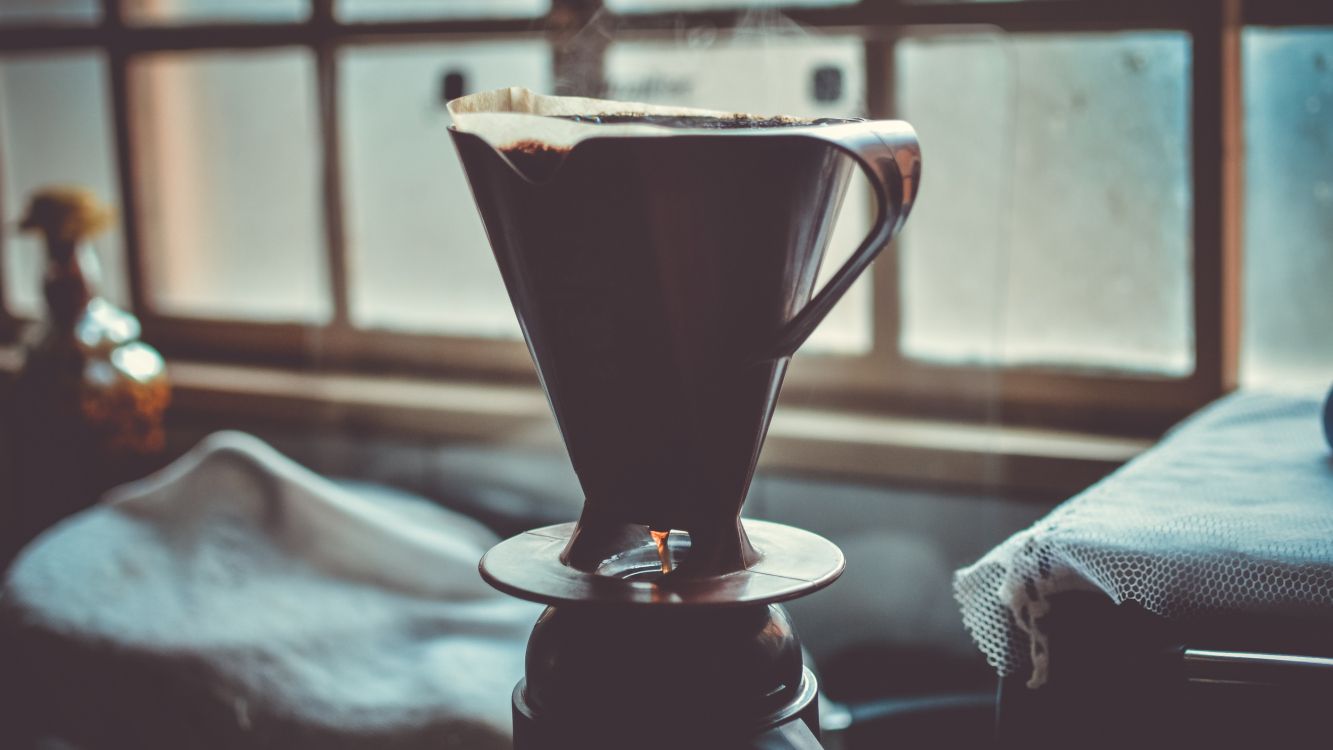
(533, 732)
(628, 658)
(636, 677)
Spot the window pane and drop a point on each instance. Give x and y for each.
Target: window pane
(1053, 226)
(780, 74)
(195, 11)
(1288, 307)
(419, 256)
(54, 129)
(50, 11)
(228, 164)
(396, 10)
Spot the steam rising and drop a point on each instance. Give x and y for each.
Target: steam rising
(746, 67)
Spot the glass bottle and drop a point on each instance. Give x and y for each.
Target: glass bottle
(87, 406)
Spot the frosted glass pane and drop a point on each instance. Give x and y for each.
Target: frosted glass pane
(234, 11)
(1288, 306)
(659, 6)
(55, 130)
(50, 11)
(229, 169)
(419, 255)
(397, 10)
(768, 75)
(1053, 226)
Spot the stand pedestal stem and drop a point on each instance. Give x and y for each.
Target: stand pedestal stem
(617, 677)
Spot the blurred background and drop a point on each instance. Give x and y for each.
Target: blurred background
(1127, 211)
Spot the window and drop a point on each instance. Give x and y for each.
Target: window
(417, 253)
(1289, 206)
(1104, 236)
(229, 213)
(51, 11)
(770, 69)
(1091, 246)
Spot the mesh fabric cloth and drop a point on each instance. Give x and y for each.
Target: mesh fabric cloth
(1232, 512)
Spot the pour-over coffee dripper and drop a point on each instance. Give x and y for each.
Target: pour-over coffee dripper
(663, 276)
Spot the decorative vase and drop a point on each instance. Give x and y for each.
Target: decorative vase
(87, 405)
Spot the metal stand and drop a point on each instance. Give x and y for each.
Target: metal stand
(628, 658)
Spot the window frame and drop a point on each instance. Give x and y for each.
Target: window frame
(883, 381)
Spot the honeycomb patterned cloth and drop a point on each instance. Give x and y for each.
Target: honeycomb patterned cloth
(1231, 513)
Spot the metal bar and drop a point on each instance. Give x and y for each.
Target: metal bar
(1254, 668)
(118, 63)
(1206, 656)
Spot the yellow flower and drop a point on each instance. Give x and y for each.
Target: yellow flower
(70, 214)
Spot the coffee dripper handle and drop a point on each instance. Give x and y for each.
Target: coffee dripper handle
(889, 154)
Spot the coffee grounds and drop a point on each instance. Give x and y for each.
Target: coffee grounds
(539, 161)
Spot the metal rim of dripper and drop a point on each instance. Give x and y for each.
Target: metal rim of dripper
(793, 563)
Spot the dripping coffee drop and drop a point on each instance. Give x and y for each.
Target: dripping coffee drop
(660, 538)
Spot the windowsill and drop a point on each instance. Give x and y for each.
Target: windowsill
(1027, 462)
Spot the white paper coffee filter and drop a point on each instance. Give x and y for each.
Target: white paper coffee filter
(509, 116)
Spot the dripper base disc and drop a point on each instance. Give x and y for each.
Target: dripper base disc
(793, 562)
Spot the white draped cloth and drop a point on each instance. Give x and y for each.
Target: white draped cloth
(272, 608)
(1231, 513)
